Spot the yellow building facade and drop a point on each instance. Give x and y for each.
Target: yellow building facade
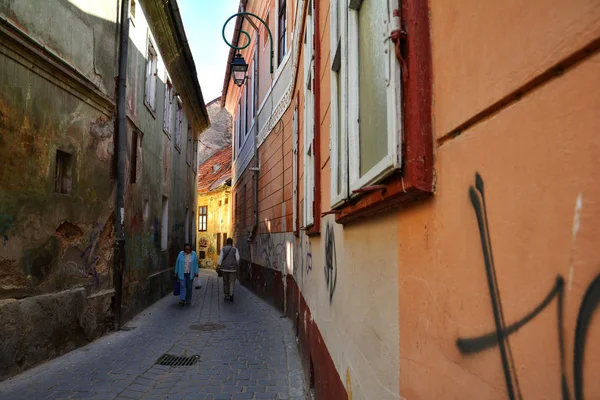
(214, 202)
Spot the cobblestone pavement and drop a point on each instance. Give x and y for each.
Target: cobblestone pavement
(247, 351)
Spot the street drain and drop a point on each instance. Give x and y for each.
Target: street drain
(176, 361)
(127, 328)
(207, 327)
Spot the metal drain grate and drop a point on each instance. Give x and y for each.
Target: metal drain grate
(207, 327)
(176, 361)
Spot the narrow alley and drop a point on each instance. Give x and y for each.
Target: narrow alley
(246, 351)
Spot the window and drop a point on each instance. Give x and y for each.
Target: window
(63, 177)
(239, 126)
(164, 237)
(295, 167)
(255, 83)
(168, 106)
(309, 121)
(151, 76)
(202, 255)
(226, 201)
(248, 111)
(354, 162)
(202, 218)
(178, 124)
(281, 31)
(366, 119)
(246, 115)
(188, 157)
(195, 156)
(339, 156)
(134, 156)
(218, 243)
(243, 208)
(236, 213)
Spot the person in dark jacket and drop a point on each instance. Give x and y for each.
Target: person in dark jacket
(228, 263)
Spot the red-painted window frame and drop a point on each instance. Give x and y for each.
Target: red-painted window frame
(415, 180)
(315, 228)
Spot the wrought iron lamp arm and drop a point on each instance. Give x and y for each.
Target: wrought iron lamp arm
(248, 35)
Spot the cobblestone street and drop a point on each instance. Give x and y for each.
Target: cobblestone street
(246, 351)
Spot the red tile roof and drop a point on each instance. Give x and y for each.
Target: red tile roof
(216, 168)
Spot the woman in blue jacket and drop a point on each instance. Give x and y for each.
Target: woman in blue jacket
(186, 268)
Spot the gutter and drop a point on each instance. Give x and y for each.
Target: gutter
(119, 249)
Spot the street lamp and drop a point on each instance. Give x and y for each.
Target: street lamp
(238, 69)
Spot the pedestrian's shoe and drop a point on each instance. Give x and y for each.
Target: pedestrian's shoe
(182, 303)
(198, 287)
(188, 303)
(231, 298)
(226, 298)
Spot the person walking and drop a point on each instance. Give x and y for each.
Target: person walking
(186, 269)
(228, 263)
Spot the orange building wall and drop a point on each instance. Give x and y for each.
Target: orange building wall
(537, 153)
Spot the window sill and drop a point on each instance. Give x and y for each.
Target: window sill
(312, 230)
(395, 193)
(150, 110)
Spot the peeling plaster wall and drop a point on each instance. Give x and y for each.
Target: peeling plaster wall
(55, 249)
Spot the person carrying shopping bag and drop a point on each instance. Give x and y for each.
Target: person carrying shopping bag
(186, 269)
(228, 262)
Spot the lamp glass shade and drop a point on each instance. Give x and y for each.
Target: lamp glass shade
(239, 69)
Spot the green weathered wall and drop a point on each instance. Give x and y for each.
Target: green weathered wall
(56, 251)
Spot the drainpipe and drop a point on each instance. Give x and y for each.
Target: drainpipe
(119, 259)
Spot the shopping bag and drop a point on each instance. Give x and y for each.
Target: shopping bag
(176, 288)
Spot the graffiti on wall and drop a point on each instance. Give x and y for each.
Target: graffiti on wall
(6, 222)
(330, 261)
(499, 336)
(270, 252)
(302, 256)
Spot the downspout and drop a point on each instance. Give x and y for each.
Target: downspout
(256, 130)
(119, 261)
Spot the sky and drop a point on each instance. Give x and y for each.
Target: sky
(203, 22)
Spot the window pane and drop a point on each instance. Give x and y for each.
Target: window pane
(372, 90)
(339, 133)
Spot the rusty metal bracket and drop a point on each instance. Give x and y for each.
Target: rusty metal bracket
(400, 38)
(330, 212)
(372, 188)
